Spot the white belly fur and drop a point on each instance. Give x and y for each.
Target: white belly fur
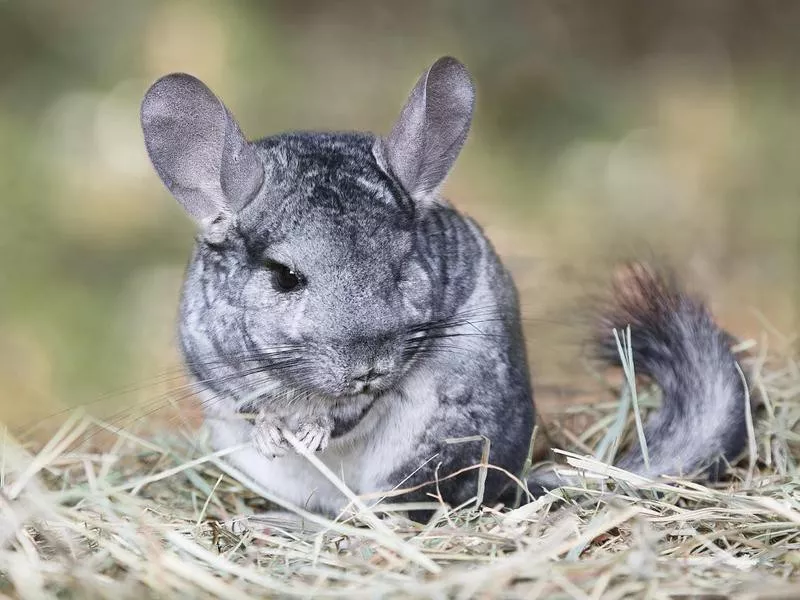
(363, 458)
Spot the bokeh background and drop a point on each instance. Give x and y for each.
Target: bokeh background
(603, 130)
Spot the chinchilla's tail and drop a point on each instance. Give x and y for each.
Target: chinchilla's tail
(675, 342)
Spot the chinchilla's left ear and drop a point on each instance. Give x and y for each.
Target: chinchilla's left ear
(427, 138)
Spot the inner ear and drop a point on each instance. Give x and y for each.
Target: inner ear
(433, 125)
(197, 148)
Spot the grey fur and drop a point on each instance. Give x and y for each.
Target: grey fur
(675, 341)
(404, 328)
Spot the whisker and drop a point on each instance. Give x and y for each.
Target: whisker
(144, 410)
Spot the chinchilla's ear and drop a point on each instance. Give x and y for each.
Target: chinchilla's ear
(197, 148)
(426, 139)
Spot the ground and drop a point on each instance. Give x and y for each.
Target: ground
(146, 511)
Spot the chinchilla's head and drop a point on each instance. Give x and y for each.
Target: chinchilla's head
(319, 256)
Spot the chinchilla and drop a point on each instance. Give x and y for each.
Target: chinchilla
(335, 295)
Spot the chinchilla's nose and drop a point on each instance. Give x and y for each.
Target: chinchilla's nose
(368, 376)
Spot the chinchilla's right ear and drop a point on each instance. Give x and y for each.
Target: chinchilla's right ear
(198, 149)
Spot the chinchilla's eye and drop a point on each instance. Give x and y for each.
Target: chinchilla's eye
(284, 278)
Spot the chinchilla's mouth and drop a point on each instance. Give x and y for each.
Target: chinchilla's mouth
(342, 425)
(367, 389)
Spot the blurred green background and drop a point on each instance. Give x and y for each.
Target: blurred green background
(603, 129)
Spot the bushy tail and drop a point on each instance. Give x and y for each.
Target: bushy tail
(675, 341)
(701, 423)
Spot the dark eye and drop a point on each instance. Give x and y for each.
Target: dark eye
(284, 278)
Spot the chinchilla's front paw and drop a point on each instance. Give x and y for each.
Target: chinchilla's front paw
(267, 436)
(314, 435)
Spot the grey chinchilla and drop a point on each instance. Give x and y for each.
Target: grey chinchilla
(334, 294)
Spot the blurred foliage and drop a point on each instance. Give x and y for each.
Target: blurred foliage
(603, 129)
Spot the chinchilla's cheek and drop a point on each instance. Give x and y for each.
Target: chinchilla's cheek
(265, 331)
(416, 294)
(314, 371)
(257, 293)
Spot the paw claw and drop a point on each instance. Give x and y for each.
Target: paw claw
(314, 436)
(267, 437)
